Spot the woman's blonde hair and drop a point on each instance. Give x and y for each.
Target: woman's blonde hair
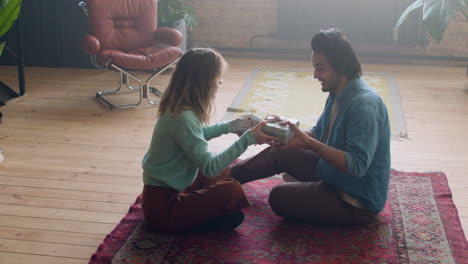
(193, 83)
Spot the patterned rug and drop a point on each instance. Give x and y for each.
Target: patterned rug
(419, 224)
(296, 94)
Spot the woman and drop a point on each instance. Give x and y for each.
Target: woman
(179, 149)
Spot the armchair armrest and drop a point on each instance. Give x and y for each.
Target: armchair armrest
(90, 44)
(169, 36)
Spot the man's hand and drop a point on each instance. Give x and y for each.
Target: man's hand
(262, 138)
(299, 140)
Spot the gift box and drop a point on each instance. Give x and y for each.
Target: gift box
(283, 132)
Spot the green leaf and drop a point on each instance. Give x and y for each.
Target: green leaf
(170, 11)
(190, 17)
(2, 45)
(8, 15)
(413, 6)
(437, 14)
(464, 9)
(3, 3)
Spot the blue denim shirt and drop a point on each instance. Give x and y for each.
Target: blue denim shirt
(362, 130)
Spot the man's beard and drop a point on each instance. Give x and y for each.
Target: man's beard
(329, 86)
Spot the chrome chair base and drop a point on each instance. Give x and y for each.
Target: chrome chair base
(144, 88)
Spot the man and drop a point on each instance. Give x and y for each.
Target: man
(338, 172)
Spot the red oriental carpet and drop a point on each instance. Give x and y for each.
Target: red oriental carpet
(419, 224)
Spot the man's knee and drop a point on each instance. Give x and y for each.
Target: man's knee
(297, 155)
(274, 199)
(273, 196)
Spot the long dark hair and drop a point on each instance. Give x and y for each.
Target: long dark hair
(192, 85)
(337, 49)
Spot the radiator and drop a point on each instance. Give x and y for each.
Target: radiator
(368, 21)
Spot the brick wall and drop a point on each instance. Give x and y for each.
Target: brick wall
(231, 23)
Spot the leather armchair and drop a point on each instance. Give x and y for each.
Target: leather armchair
(124, 36)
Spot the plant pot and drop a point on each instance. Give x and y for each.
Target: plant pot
(182, 28)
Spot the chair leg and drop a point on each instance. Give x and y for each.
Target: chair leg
(127, 83)
(144, 90)
(152, 89)
(147, 88)
(124, 75)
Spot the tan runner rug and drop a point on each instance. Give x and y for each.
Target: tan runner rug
(296, 94)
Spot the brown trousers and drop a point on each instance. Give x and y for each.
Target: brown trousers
(167, 210)
(309, 200)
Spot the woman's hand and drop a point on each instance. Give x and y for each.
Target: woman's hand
(262, 138)
(243, 123)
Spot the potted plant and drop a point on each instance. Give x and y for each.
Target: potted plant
(9, 11)
(436, 15)
(176, 14)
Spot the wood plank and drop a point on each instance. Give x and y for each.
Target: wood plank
(53, 136)
(46, 249)
(75, 150)
(13, 233)
(64, 185)
(427, 160)
(453, 145)
(105, 167)
(20, 258)
(47, 108)
(459, 195)
(32, 201)
(55, 224)
(123, 170)
(70, 176)
(424, 137)
(73, 127)
(77, 156)
(68, 194)
(61, 214)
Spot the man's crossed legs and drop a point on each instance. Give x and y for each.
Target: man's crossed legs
(309, 199)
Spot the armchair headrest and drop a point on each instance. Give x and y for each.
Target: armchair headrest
(123, 24)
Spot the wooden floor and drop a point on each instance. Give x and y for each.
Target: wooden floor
(72, 167)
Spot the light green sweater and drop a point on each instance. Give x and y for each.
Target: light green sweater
(179, 148)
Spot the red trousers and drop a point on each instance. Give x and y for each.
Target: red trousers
(167, 210)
